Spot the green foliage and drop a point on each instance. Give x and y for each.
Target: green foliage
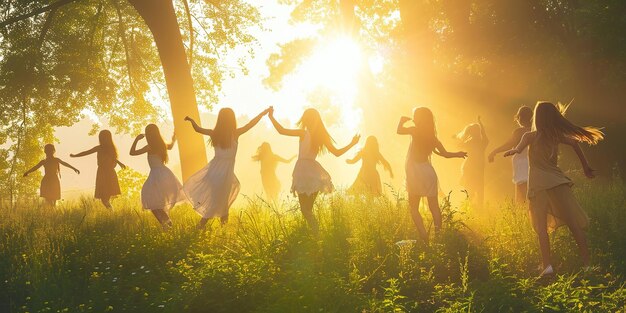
(83, 258)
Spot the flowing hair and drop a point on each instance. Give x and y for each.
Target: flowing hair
(156, 142)
(224, 130)
(469, 133)
(311, 120)
(551, 123)
(425, 126)
(262, 152)
(106, 143)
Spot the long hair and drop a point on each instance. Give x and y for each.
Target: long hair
(106, 143)
(551, 124)
(312, 121)
(524, 116)
(262, 152)
(371, 147)
(425, 126)
(156, 142)
(224, 130)
(49, 150)
(469, 133)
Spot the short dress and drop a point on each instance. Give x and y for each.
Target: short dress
(162, 190)
(270, 181)
(368, 179)
(309, 177)
(549, 190)
(473, 168)
(421, 178)
(50, 188)
(107, 184)
(214, 188)
(520, 167)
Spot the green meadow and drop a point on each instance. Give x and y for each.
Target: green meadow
(81, 257)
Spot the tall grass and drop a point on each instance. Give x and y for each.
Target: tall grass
(80, 257)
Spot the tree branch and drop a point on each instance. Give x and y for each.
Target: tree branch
(191, 37)
(50, 7)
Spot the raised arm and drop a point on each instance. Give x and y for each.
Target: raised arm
(34, 168)
(356, 158)
(122, 165)
(339, 152)
(402, 130)
(280, 129)
(385, 164)
(86, 152)
(441, 151)
(68, 165)
(509, 144)
(133, 148)
(581, 156)
(170, 145)
(197, 128)
(523, 143)
(242, 130)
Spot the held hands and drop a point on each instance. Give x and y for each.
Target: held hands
(270, 111)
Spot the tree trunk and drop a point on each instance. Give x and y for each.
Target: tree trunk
(160, 17)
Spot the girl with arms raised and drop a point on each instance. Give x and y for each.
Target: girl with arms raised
(50, 188)
(368, 179)
(107, 185)
(269, 161)
(309, 177)
(213, 189)
(162, 190)
(524, 119)
(421, 178)
(550, 196)
(474, 140)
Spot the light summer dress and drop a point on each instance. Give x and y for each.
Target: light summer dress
(162, 190)
(309, 177)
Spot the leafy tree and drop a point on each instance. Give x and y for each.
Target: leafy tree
(60, 58)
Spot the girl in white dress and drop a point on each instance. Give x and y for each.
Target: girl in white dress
(524, 119)
(309, 177)
(421, 179)
(162, 190)
(213, 189)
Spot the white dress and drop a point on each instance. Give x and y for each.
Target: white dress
(421, 178)
(213, 189)
(162, 190)
(309, 176)
(520, 167)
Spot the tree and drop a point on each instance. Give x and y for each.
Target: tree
(59, 59)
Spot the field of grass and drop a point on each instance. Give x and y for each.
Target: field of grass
(82, 258)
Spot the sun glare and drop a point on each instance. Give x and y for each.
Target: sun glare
(332, 68)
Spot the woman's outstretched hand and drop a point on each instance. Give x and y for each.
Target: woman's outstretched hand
(461, 154)
(77, 171)
(188, 119)
(140, 136)
(72, 155)
(355, 139)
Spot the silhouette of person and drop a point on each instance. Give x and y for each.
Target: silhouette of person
(162, 190)
(550, 196)
(421, 178)
(50, 188)
(473, 139)
(269, 161)
(524, 119)
(214, 188)
(309, 177)
(107, 185)
(368, 180)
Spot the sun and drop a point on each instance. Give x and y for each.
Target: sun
(333, 67)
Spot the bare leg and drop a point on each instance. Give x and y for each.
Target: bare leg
(581, 241)
(163, 218)
(107, 202)
(202, 223)
(224, 219)
(51, 203)
(414, 205)
(540, 218)
(520, 192)
(433, 205)
(306, 207)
